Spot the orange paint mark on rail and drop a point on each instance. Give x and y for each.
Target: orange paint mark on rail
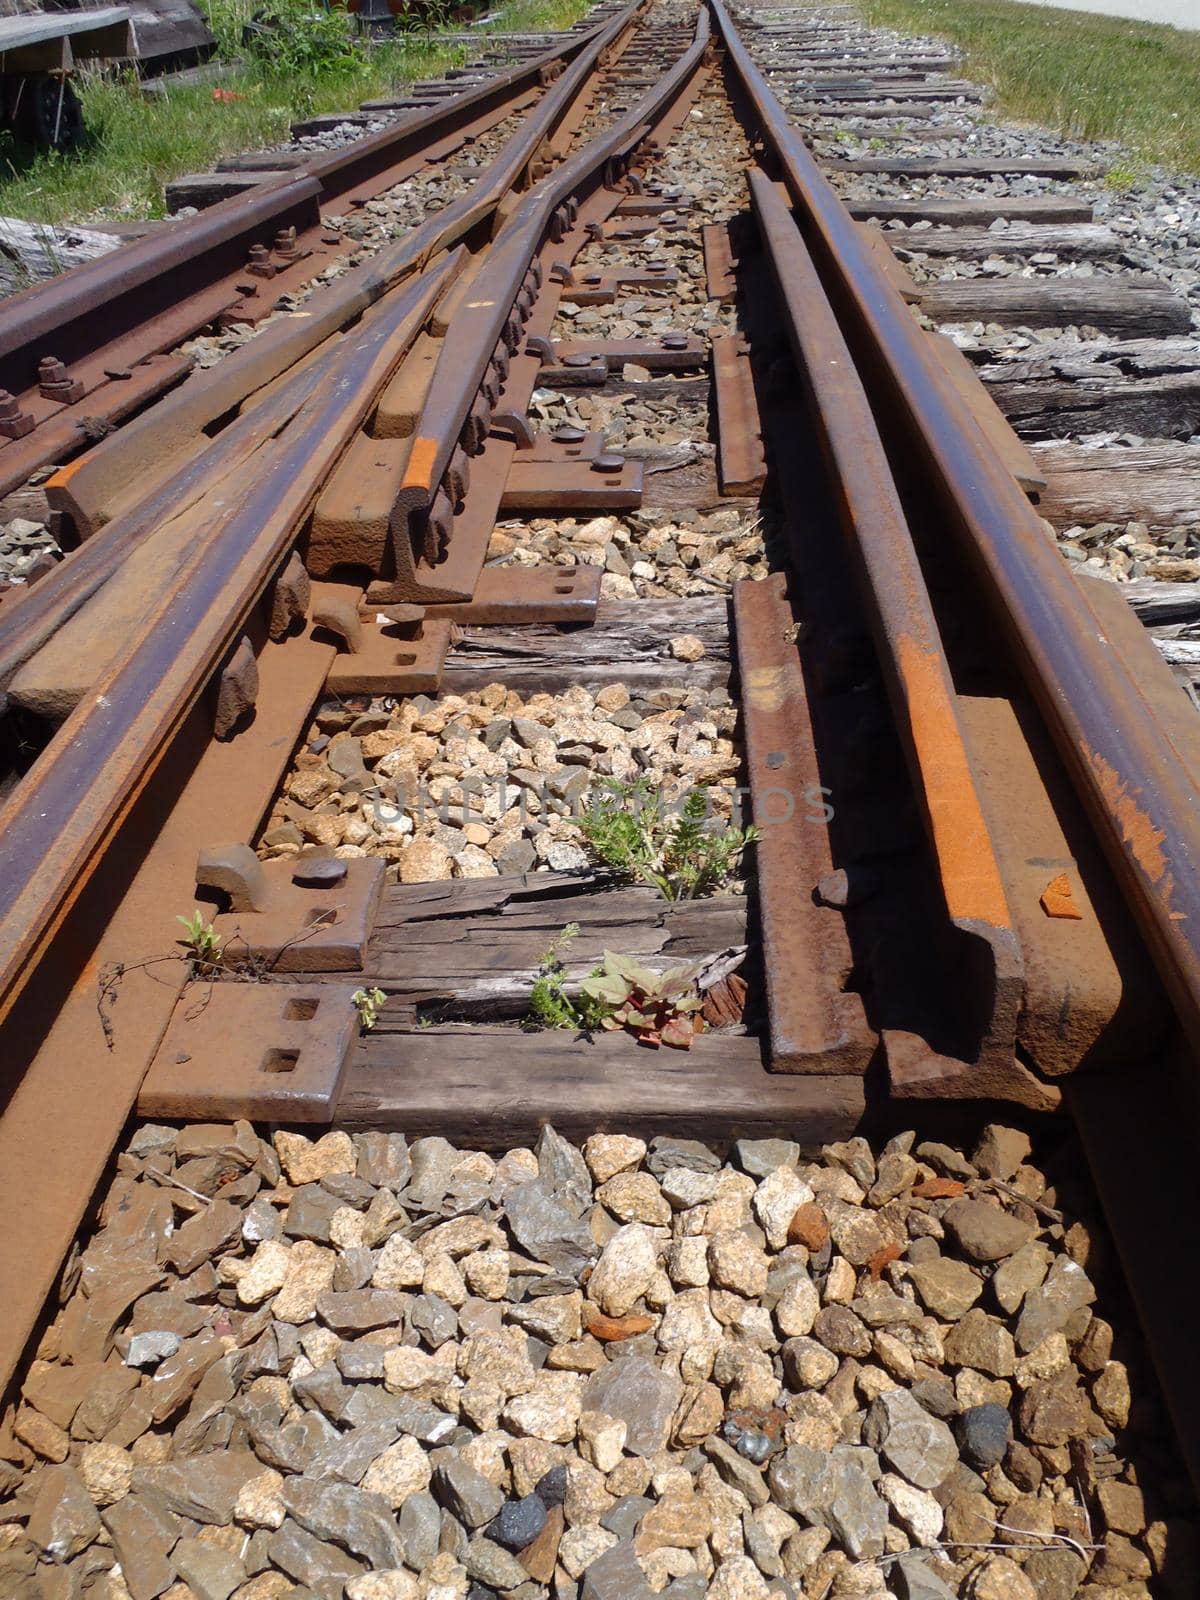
(419, 472)
(1144, 840)
(966, 861)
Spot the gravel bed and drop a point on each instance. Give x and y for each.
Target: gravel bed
(353, 1369)
(470, 786)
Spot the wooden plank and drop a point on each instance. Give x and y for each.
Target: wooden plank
(202, 189)
(1158, 484)
(1080, 241)
(1166, 407)
(1155, 601)
(968, 212)
(1135, 305)
(741, 464)
(987, 414)
(972, 167)
(496, 1086)
(629, 643)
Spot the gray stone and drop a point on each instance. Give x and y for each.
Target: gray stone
(320, 1567)
(353, 1270)
(209, 1572)
(736, 1470)
(348, 1457)
(359, 1362)
(202, 1487)
(942, 1158)
(1048, 1309)
(856, 1516)
(694, 1587)
(759, 1157)
(368, 1407)
(142, 1531)
(623, 1518)
(361, 1310)
(544, 1227)
(563, 1172)
(310, 1212)
(984, 1432)
(616, 1575)
(641, 1395)
(471, 1497)
(362, 1523)
(490, 1563)
(666, 1153)
(431, 1317)
(803, 1481)
(984, 1232)
(916, 1580)
(519, 1522)
(551, 1487)
(383, 1159)
(148, 1349)
(1001, 1151)
(324, 1388)
(919, 1447)
(420, 1524)
(63, 1520)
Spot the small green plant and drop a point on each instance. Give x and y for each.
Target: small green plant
(1122, 177)
(656, 1007)
(303, 37)
(550, 1006)
(683, 857)
(367, 1003)
(202, 940)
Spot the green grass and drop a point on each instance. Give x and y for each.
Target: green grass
(135, 146)
(1087, 76)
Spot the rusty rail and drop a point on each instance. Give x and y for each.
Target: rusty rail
(52, 829)
(1131, 777)
(485, 321)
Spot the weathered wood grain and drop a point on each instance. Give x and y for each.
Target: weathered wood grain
(1158, 484)
(1135, 305)
(496, 1086)
(629, 643)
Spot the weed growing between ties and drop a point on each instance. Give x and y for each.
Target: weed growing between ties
(1087, 76)
(657, 1008)
(311, 61)
(684, 856)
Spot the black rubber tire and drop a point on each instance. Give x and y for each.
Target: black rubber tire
(42, 120)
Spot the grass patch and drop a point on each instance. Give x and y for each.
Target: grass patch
(1086, 76)
(135, 146)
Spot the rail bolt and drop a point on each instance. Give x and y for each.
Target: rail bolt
(259, 262)
(285, 242)
(56, 383)
(14, 423)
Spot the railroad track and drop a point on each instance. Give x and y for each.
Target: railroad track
(353, 565)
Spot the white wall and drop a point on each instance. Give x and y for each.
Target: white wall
(1182, 13)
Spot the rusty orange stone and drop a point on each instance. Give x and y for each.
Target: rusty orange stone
(809, 1226)
(610, 1329)
(938, 1189)
(539, 1558)
(883, 1258)
(1058, 900)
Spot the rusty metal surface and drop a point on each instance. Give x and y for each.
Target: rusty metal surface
(816, 1023)
(907, 639)
(1129, 773)
(301, 928)
(50, 829)
(276, 1052)
(514, 595)
(493, 317)
(104, 315)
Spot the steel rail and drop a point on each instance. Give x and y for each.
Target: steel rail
(55, 823)
(1132, 779)
(26, 622)
(471, 341)
(908, 641)
(83, 310)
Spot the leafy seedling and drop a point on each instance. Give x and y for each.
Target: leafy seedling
(550, 1006)
(203, 941)
(367, 1003)
(684, 856)
(656, 1007)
